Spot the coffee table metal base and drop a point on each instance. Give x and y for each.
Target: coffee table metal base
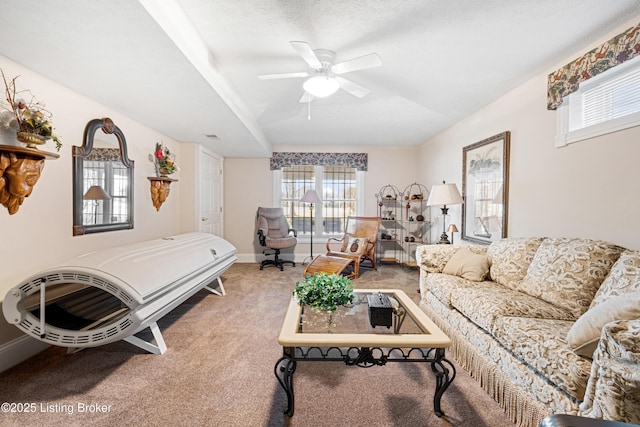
(364, 357)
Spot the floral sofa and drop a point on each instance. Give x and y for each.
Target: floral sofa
(546, 326)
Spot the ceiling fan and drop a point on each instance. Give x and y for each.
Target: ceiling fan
(325, 75)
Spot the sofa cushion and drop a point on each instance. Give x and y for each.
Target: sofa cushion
(568, 272)
(433, 258)
(624, 277)
(498, 370)
(584, 335)
(541, 344)
(484, 306)
(443, 286)
(510, 259)
(468, 265)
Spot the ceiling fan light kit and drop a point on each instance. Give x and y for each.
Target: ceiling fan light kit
(324, 79)
(321, 85)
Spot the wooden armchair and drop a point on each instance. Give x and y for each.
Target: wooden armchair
(358, 242)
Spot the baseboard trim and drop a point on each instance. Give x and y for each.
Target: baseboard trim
(19, 350)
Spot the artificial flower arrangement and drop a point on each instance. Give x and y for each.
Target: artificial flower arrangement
(31, 120)
(165, 160)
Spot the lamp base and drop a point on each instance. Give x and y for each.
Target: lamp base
(444, 239)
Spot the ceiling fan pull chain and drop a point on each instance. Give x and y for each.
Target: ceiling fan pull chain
(309, 109)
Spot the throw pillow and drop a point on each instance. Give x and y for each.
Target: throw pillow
(356, 245)
(624, 277)
(584, 335)
(466, 264)
(568, 272)
(510, 259)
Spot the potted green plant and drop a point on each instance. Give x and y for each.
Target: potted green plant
(324, 292)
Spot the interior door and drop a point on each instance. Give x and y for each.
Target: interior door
(210, 197)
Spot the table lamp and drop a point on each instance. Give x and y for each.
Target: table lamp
(443, 195)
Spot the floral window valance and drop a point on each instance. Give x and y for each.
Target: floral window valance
(104, 155)
(566, 80)
(353, 160)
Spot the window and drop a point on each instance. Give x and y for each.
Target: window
(339, 187)
(603, 104)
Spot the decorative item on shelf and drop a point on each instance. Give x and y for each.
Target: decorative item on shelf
(164, 160)
(310, 197)
(31, 120)
(20, 169)
(390, 206)
(415, 191)
(452, 229)
(414, 195)
(387, 194)
(443, 195)
(160, 186)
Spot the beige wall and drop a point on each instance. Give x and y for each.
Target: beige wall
(587, 189)
(248, 184)
(39, 234)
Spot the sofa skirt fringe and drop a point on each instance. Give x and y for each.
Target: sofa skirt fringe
(519, 407)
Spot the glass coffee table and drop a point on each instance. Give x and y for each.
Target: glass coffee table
(347, 336)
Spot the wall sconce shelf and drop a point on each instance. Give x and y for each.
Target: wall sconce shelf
(160, 189)
(20, 169)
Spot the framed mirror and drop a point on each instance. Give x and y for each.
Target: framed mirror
(102, 180)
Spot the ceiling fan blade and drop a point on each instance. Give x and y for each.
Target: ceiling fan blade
(283, 75)
(306, 97)
(305, 51)
(371, 60)
(351, 87)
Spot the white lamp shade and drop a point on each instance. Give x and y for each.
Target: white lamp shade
(311, 197)
(321, 85)
(444, 194)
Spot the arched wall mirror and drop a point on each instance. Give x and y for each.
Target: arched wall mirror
(102, 180)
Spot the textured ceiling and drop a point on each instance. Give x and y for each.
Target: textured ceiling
(189, 68)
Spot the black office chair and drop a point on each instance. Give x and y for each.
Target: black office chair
(275, 234)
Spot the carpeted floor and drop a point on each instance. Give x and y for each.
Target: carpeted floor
(218, 371)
